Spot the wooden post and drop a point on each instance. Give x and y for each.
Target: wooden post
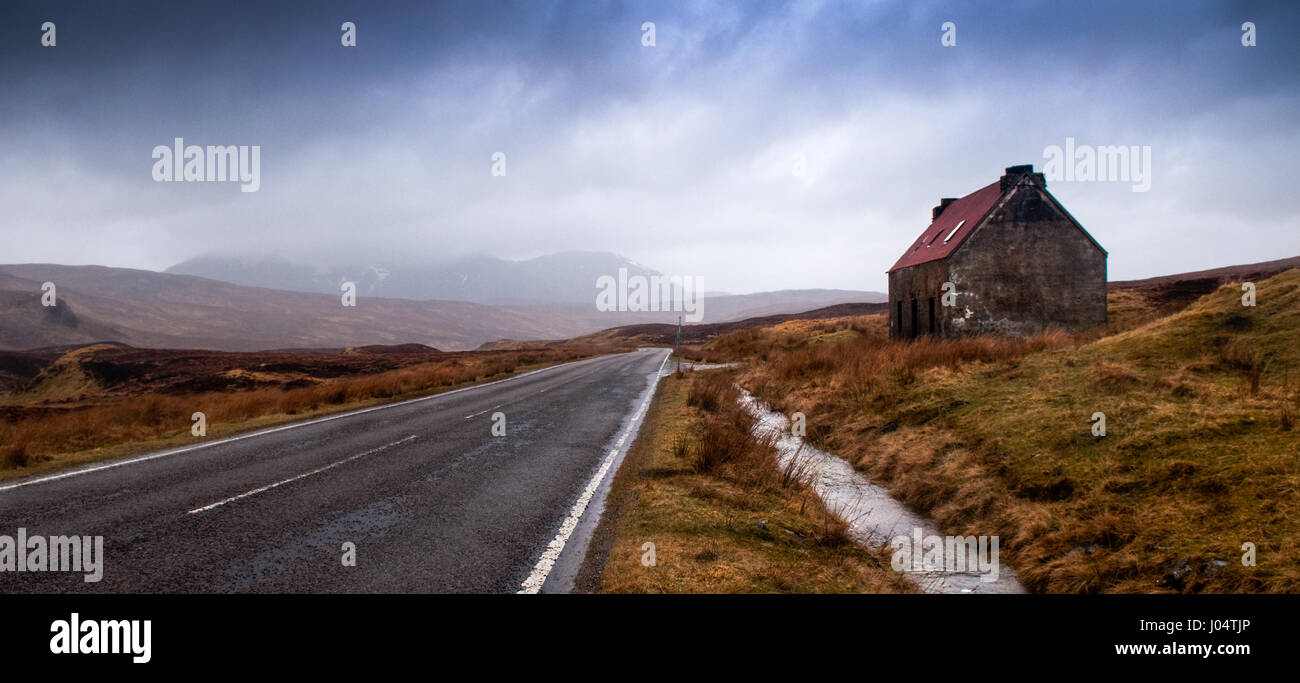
(678, 345)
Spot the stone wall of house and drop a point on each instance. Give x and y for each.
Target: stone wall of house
(918, 289)
(1025, 270)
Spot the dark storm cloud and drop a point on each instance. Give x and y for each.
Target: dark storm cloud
(677, 155)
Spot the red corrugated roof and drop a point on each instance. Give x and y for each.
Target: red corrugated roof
(966, 212)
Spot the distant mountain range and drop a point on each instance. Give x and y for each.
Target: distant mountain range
(567, 277)
(171, 310)
(168, 310)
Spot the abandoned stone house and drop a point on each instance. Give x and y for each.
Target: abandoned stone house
(1010, 259)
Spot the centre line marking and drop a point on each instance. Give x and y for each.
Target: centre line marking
(484, 411)
(304, 475)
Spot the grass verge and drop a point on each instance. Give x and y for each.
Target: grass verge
(995, 436)
(720, 514)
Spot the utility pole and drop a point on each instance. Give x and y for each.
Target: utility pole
(677, 349)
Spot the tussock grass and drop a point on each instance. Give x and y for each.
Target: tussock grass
(722, 514)
(993, 436)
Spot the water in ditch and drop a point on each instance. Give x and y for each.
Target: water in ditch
(875, 519)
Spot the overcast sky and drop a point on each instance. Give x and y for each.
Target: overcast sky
(679, 156)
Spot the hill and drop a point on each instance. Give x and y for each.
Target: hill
(658, 334)
(995, 436)
(1134, 302)
(563, 278)
(1131, 303)
(164, 310)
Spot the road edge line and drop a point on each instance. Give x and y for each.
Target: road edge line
(541, 570)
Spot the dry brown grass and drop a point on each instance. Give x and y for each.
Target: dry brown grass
(722, 515)
(41, 433)
(992, 436)
(869, 369)
(1245, 358)
(724, 445)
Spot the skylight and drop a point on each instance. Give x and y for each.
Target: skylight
(954, 230)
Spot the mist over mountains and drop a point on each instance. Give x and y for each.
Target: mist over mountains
(563, 278)
(246, 304)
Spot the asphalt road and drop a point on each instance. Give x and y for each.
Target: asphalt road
(431, 499)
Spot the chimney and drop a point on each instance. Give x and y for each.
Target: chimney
(943, 204)
(1015, 173)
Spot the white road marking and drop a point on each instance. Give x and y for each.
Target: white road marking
(467, 417)
(546, 563)
(304, 475)
(272, 430)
